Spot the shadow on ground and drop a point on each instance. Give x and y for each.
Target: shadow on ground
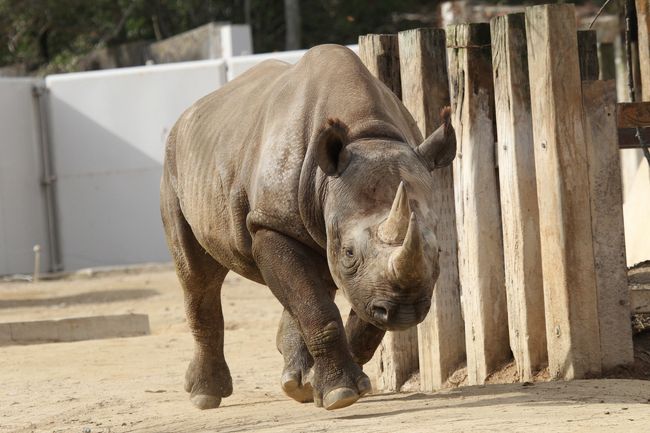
(548, 393)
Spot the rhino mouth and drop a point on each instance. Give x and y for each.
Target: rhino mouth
(397, 316)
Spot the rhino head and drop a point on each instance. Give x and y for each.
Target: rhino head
(382, 249)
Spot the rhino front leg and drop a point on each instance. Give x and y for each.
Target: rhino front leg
(295, 380)
(294, 274)
(363, 337)
(207, 378)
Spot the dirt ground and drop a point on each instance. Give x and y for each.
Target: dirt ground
(135, 384)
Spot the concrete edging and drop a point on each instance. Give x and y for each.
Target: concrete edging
(74, 329)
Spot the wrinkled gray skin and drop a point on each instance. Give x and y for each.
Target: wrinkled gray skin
(305, 178)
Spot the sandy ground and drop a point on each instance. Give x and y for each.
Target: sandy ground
(135, 384)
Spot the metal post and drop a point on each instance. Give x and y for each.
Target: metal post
(48, 178)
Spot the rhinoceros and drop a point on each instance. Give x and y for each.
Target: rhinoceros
(306, 178)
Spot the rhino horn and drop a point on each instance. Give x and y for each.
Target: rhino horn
(394, 228)
(407, 263)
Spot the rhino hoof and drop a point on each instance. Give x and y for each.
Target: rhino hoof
(364, 386)
(291, 385)
(339, 398)
(203, 401)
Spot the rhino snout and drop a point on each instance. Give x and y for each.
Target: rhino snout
(395, 316)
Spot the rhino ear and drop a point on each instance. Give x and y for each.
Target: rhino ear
(331, 154)
(439, 149)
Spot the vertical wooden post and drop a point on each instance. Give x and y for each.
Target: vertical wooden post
(588, 54)
(397, 355)
(643, 20)
(570, 295)
(380, 54)
(425, 91)
(606, 61)
(480, 247)
(630, 159)
(599, 104)
(519, 214)
(599, 100)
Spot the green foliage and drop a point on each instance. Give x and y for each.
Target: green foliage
(51, 35)
(56, 32)
(343, 21)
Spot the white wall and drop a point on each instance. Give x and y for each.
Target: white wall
(636, 213)
(236, 40)
(108, 131)
(22, 211)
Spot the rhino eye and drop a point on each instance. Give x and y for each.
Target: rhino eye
(349, 262)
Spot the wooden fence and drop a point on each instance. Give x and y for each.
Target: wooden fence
(533, 263)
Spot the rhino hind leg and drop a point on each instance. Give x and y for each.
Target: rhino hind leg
(297, 374)
(207, 378)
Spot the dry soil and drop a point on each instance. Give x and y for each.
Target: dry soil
(135, 384)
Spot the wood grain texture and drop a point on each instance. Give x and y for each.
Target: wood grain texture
(425, 91)
(380, 54)
(480, 247)
(643, 20)
(588, 54)
(599, 101)
(519, 213)
(397, 355)
(633, 114)
(570, 294)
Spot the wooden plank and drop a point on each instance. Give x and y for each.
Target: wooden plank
(627, 138)
(519, 214)
(570, 295)
(425, 91)
(599, 102)
(380, 54)
(633, 114)
(480, 244)
(74, 329)
(643, 20)
(397, 355)
(640, 301)
(588, 54)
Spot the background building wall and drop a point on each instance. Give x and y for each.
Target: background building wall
(108, 132)
(22, 209)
